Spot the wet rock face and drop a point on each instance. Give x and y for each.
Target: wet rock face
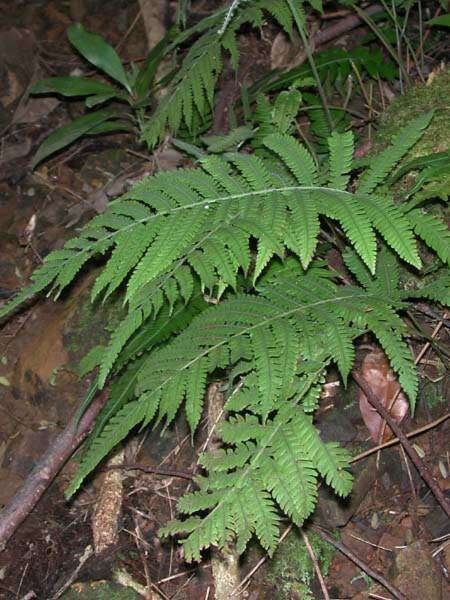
(418, 575)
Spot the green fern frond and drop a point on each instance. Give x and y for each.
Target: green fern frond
(383, 164)
(217, 230)
(283, 462)
(191, 89)
(168, 219)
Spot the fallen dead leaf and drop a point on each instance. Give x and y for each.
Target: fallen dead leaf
(376, 371)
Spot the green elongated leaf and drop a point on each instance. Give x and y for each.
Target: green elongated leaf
(441, 21)
(72, 86)
(433, 231)
(146, 75)
(99, 99)
(110, 127)
(69, 133)
(341, 147)
(303, 227)
(99, 53)
(430, 160)
(116, 429)
(195, 392)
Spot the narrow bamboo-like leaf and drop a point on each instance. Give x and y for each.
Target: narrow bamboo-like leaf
(72, 86)
(94, 49)
(69, 133)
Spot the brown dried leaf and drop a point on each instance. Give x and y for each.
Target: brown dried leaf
(376, 370)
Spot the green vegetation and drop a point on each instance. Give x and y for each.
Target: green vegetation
(291, 569)
(224, 273)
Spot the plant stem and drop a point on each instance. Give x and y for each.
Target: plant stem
(363, 15)
(399, 45)
(362, 565)
(312, 64)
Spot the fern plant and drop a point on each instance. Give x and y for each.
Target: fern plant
(190, 93)
(241, 231)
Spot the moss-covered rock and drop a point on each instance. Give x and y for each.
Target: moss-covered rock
(423, 97)
(291, 570)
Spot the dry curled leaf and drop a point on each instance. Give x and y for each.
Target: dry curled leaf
(375, 369)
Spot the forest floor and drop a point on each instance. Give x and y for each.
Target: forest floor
(392, 521)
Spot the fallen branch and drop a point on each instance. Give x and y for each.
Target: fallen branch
(343, 26)
(418, 463)
(361, 564)
(46, 470)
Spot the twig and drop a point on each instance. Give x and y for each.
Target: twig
(396, 440)
(362, 565)
(88, 552)
(46, 470)
(315, 562)
(420, 466)
(259, 564)
(146, 469)
(441, 547)
(408, 471)
(308, 49)
(433, 335)
(355, 537)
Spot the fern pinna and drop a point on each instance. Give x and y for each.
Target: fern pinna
(242, 229)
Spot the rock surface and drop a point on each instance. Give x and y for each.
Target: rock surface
(418, 575)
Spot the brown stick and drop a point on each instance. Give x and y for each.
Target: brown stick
(315, 563)
(361, 564)
(396, 440)
(46, 470)
(147, 469)
(420, 466)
